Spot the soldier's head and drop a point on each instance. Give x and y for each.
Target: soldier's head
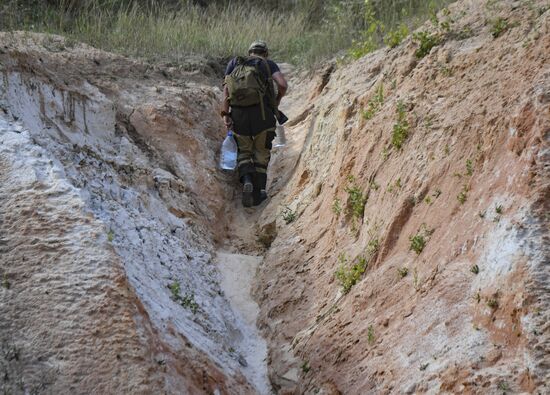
(258, 48)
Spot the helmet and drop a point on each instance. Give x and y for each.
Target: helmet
(258, 46)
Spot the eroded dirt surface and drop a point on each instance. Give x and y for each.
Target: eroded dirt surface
(110, 218)
(113, 219)
(471, 180)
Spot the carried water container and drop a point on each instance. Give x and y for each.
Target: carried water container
(228, 156)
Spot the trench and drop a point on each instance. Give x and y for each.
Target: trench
(152, 245)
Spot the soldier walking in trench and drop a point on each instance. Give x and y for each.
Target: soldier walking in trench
(250, 108)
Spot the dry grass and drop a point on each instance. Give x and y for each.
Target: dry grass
(297, 35)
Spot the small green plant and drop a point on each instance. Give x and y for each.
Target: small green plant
(424, 366)
(374, 186)
(110, 235)
(401, 127)
(446, 150)
(372, 247)
(370, 40)
(499, 26)
(402, 272)
(188, 301)
(474, 269)
(418, 242)
(481, 214)
(305, 367)
(337, 206)
(463, 194)
(288, 215)
(469, 167)
(499, 209)
(428, 200)
(503, 386)
(395, 186)
(492, 303)
(370, 334)
(348, 275)
(5, 282)
(356, 199)
(375, 103)
(437, 193)
(175, 289)
(394, 37)
(426, 41)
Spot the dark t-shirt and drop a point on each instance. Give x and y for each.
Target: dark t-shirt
(249, 121)
(272, 65)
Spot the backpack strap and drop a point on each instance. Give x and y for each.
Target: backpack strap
(270, 87)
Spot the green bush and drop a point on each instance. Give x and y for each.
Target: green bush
(400, 130)
(356, 199)
(349, 275)
(426, 41)
(394, 37)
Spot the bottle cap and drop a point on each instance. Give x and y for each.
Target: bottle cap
(230, 133)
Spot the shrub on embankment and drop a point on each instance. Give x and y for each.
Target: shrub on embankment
(299, 31)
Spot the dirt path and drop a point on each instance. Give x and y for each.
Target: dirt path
(238, 272)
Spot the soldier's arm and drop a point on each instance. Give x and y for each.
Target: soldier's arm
(225, 108)
(282, 85)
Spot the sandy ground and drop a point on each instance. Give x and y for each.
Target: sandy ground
(237, 275)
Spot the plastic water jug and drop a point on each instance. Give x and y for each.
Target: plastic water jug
(280, 138)
(228, 157)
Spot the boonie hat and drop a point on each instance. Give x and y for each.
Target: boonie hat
(259, 45)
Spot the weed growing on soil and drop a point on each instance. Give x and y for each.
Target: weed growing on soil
(437, 193)
(401, 127)
(428, 200)
(5, 282)
(356, 200)
(474, 269)
(337, 207)
(503, 386)
(463, 195)
(350, 275)
(370, 334)
(426, 41)
(499, 209)
(187, 301)
(375, 103)
(288, 215)
(175, 289)
(394, 37)
(391, 188)
(418, 241)
(402, 272)
(374, 186)
(305, 367)
(424, 366)
(492, 303)
(469, 167)
(499, 26)
(110, 235)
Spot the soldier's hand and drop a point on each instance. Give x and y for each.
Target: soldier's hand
(227, 121)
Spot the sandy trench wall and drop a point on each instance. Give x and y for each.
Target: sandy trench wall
(471, 179)
(108, 199)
